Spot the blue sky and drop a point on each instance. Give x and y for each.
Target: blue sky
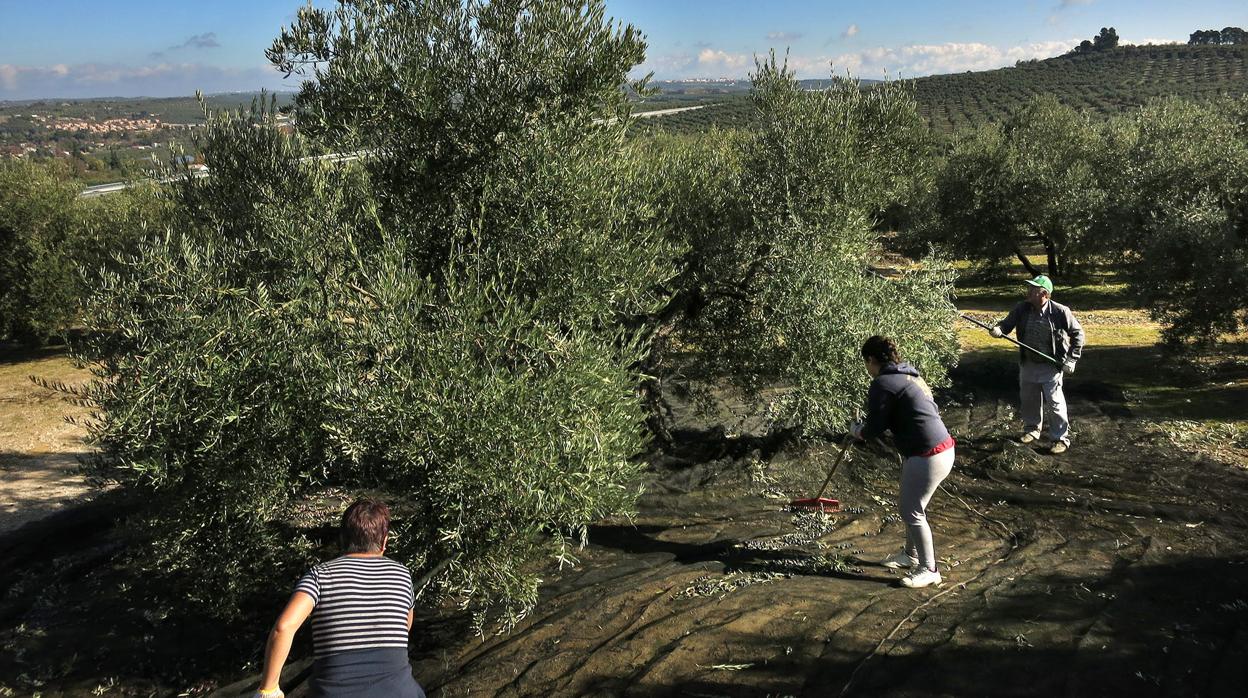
(79, 48)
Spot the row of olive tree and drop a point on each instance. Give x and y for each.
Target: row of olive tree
(1162, 190)
(48, 236)
(472, 318)
(781, 227)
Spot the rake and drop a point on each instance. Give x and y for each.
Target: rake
(819, 502)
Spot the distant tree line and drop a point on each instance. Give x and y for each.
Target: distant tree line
(1104, 41)
(1228, 36)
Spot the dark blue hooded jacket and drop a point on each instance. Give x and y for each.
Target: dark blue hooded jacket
(900, 401)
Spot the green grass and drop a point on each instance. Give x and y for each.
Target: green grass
(1122, 350)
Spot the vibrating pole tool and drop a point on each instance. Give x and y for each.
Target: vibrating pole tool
(1011, 340)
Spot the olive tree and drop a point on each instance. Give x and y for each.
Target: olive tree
(1161, 157)
(49, 236)
(1032, 179)
(446, 319)
(37, 276)
(782, 283)
(463, 311)
(1193, 262)
(1177, 176)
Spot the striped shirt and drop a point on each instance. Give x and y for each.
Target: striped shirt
(1038, 334)
(360, 603)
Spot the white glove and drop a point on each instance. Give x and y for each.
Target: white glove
(996, 332)
(274, 693)
(855, 430)
(1068, 367)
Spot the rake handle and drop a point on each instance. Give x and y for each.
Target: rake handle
(844, 449)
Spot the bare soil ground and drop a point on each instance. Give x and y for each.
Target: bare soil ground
(39, 450)
(1119, 568)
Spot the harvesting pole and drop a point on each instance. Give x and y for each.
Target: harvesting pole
(1012, 340)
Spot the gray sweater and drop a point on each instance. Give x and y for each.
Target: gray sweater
(1065, 336)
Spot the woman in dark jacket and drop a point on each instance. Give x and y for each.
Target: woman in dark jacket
(900, 401)
(361, 607)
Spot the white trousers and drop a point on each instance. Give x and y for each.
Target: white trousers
(920, 476)
(1042, 402)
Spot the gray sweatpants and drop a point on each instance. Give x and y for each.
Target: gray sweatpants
(920, 476)
(1040, 388)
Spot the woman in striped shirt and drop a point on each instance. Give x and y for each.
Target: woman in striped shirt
(361, 607)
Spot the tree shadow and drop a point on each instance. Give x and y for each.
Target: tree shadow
(639, 540)
(1163, 629)
(17, 352)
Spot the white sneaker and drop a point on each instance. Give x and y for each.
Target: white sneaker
(899, 560)
(919, 578)
(1029, 437)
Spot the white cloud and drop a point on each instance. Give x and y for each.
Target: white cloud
(929, 59)
(783, 36)
(851, 30)
(730, 64)
(1067, 4)
(8, 77)
(110, 80)
(1153, 42)
(667, 66)
(908, 61)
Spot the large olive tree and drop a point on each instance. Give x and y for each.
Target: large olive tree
(782, 279)
(1029, 180)
(1176, 173)
(443, 319)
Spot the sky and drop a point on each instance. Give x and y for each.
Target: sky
(130, 48)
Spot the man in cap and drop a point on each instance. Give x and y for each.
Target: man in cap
(1051, 329)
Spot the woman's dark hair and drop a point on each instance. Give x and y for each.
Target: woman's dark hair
(882, 349)
(364, 526)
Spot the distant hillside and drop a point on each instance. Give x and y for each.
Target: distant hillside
(1102, 83)
(106, 140)
(184, 110)
(1105, 82)
(684, 93)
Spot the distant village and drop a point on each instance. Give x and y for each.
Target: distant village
(99, 148)
(89, 126)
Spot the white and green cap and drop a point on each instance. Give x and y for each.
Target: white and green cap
(1041, 281)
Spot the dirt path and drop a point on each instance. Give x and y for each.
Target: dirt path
(39, 450)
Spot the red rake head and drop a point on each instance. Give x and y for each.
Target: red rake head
(822, 504)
